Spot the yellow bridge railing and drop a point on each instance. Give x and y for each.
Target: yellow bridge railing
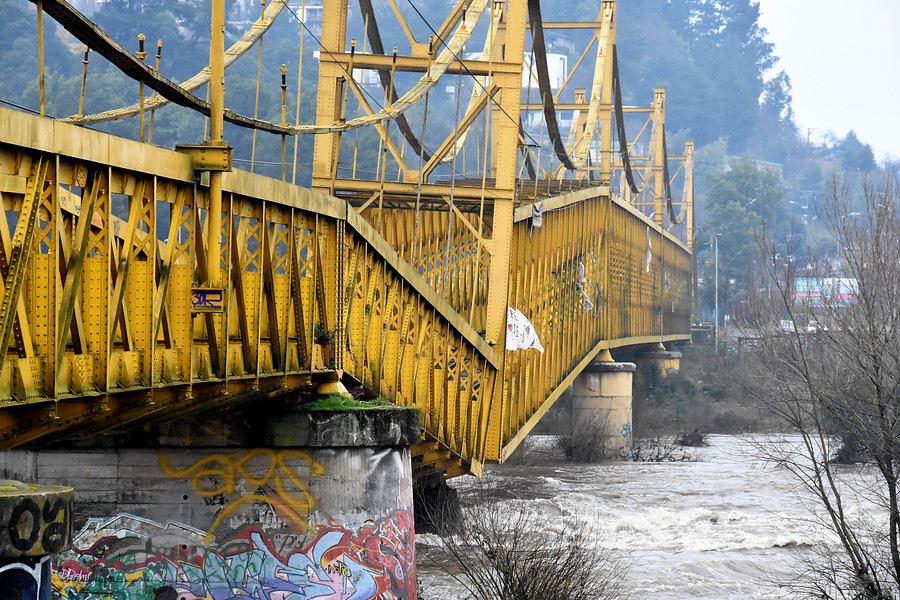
(105, 325)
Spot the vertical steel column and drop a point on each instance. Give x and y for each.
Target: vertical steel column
(601, 96)
(504, 155)
(331, 86)
(505, 132)
(216, 133)
(688, 194)
(658, 153)
(142, 56)
(606, 125)
(690, 229)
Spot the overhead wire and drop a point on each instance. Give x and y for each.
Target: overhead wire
(369, 94)
(538, 144)
(461, 63)
(366, 92)
(25, 108)
(452, 191)
(535, 143)
(374, 37)
(77, 24)
(442, 41)
(254, 33)
(437, 68)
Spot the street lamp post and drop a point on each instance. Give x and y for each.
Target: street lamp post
(716, 323)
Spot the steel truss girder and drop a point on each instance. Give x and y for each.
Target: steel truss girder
(297, 264)
(413, 306)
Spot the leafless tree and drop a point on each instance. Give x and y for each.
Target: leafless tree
(834, 376)
(586, 439)
(501, 552)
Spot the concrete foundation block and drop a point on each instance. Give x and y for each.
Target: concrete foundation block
(325, 510)
(35, 523)
(603, 392)
(664, 361)
(338, 428)
(35, 520)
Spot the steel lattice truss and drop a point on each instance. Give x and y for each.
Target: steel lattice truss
(111, 316)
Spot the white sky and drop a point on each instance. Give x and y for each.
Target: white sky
(843, 58)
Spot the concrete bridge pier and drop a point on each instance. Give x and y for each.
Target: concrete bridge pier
(271, 500)
(35, 524)
(655, 364)
(664, 362)
(602, 397)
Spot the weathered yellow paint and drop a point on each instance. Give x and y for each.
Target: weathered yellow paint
(403, 286)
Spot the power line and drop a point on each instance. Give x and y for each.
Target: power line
(25, 108)
(362, 88)
(472, 75)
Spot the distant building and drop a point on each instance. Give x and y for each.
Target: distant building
(817, 292)
(557, 68)
(246, 12)
(87, 7)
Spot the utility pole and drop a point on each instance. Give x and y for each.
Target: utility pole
(716, 324)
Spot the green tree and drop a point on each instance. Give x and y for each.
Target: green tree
(727, 42)
(745, 203)
(776, 133)
(855, 156)
(19, 57)
(671, 64)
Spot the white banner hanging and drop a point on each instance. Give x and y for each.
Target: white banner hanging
(520, 333)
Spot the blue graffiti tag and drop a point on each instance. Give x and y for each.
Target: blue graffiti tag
(207, 299)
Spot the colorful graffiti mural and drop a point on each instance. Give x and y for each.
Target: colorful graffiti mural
(334, 563)
(244, 524)
(626, 450)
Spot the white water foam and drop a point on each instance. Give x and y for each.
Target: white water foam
(723, 527)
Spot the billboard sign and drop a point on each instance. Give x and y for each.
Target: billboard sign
(823, 291)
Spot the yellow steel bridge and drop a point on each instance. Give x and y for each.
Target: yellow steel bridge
(212, 286)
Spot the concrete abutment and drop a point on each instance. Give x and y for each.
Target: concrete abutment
(313, 503)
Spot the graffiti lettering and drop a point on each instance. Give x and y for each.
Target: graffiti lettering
(31, 527)
(217, 500)
(71, 575)
(626, 450)
(55, 534)
(282, 471)
(48, 527)
(338, 568)
(335, 564)
(18, 580)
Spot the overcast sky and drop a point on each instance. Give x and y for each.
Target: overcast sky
(843, 58)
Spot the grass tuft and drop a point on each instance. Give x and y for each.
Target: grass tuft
(341, 402)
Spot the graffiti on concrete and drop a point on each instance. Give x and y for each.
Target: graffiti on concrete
(282, 472)
(118, 559)
(21, 580)
(626, 451)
